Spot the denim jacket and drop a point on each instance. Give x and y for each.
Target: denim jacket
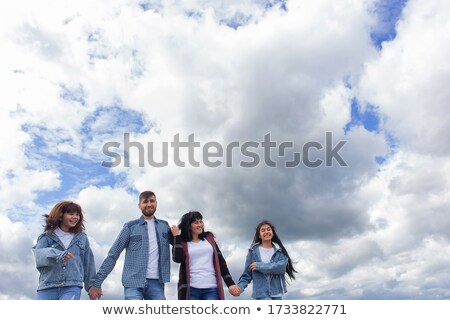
(134, 238)
(268, 278)
(54, 272)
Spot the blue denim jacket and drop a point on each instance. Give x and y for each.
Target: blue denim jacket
(268, 278)
(49, 254)
(134, 238)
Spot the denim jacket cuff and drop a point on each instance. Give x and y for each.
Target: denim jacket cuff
(60, 257)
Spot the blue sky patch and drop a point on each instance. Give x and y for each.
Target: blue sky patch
(77, 172)
(76, 94)
(113, 119)
(388, 12)
(369, 118)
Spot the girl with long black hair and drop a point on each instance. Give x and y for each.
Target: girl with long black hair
(267, 264)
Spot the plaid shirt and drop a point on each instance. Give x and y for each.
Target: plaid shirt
(134, 238)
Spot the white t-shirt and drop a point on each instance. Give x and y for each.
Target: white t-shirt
(202, 274)
(266, 254)
(153, 255)
(65, 237)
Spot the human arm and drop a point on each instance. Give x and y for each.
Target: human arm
(89, 269)
(233, 289)
(47, 255)
(278, 267)
(108, 264)
(224, 269)
(88, 266)
(247, 275)
(173, 231)
(177, 250)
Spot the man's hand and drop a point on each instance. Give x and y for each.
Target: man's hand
(95, 293)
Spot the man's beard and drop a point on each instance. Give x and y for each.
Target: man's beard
(145, 213)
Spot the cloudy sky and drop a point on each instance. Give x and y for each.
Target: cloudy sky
(374, 74)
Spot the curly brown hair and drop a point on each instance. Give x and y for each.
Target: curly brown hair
(53, 219)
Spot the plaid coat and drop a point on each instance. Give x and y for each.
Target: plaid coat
(134, 239)
(181, 255)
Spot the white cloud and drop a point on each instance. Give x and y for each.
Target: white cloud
(17, 265)
(408, 81)
(362, 231)
(106, 211)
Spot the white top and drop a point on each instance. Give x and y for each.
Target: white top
(65, 237)
(202, 274)
(153, 255)
(266, 254)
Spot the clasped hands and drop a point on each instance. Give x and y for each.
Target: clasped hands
(95, 293)
(234, 290)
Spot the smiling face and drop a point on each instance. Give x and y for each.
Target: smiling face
(69, 220)
(197, 228)
(148, 207)
(266, 233)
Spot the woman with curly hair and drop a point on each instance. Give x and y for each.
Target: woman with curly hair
(63, 255)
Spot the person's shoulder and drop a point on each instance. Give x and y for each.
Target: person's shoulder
(132, 222)
(42, 235)
(277, 248)
(254, 246)
(161, 221)
(210, 236)
(82, 236)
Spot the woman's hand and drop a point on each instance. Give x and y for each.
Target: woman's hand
(252, 266)
(234, 290)
(175, 230)
(69, 255)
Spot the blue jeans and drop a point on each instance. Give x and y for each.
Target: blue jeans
(153, 290)
(270, 298)
(204, 294)
(61, 293)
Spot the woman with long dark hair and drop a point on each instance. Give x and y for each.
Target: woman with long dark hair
(267, 264)
(202, 265)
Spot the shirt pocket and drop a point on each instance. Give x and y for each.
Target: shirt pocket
(135, 242)
(81, 247)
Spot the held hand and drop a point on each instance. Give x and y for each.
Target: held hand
(95, 293)
(252, 266)
(234, 290)
(69, 255)
(175, 230)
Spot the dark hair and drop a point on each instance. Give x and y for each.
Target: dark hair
(185, 225)
(145, 195)
(53, 219)
(290, 270)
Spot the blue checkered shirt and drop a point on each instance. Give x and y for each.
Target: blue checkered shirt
(134, 238)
